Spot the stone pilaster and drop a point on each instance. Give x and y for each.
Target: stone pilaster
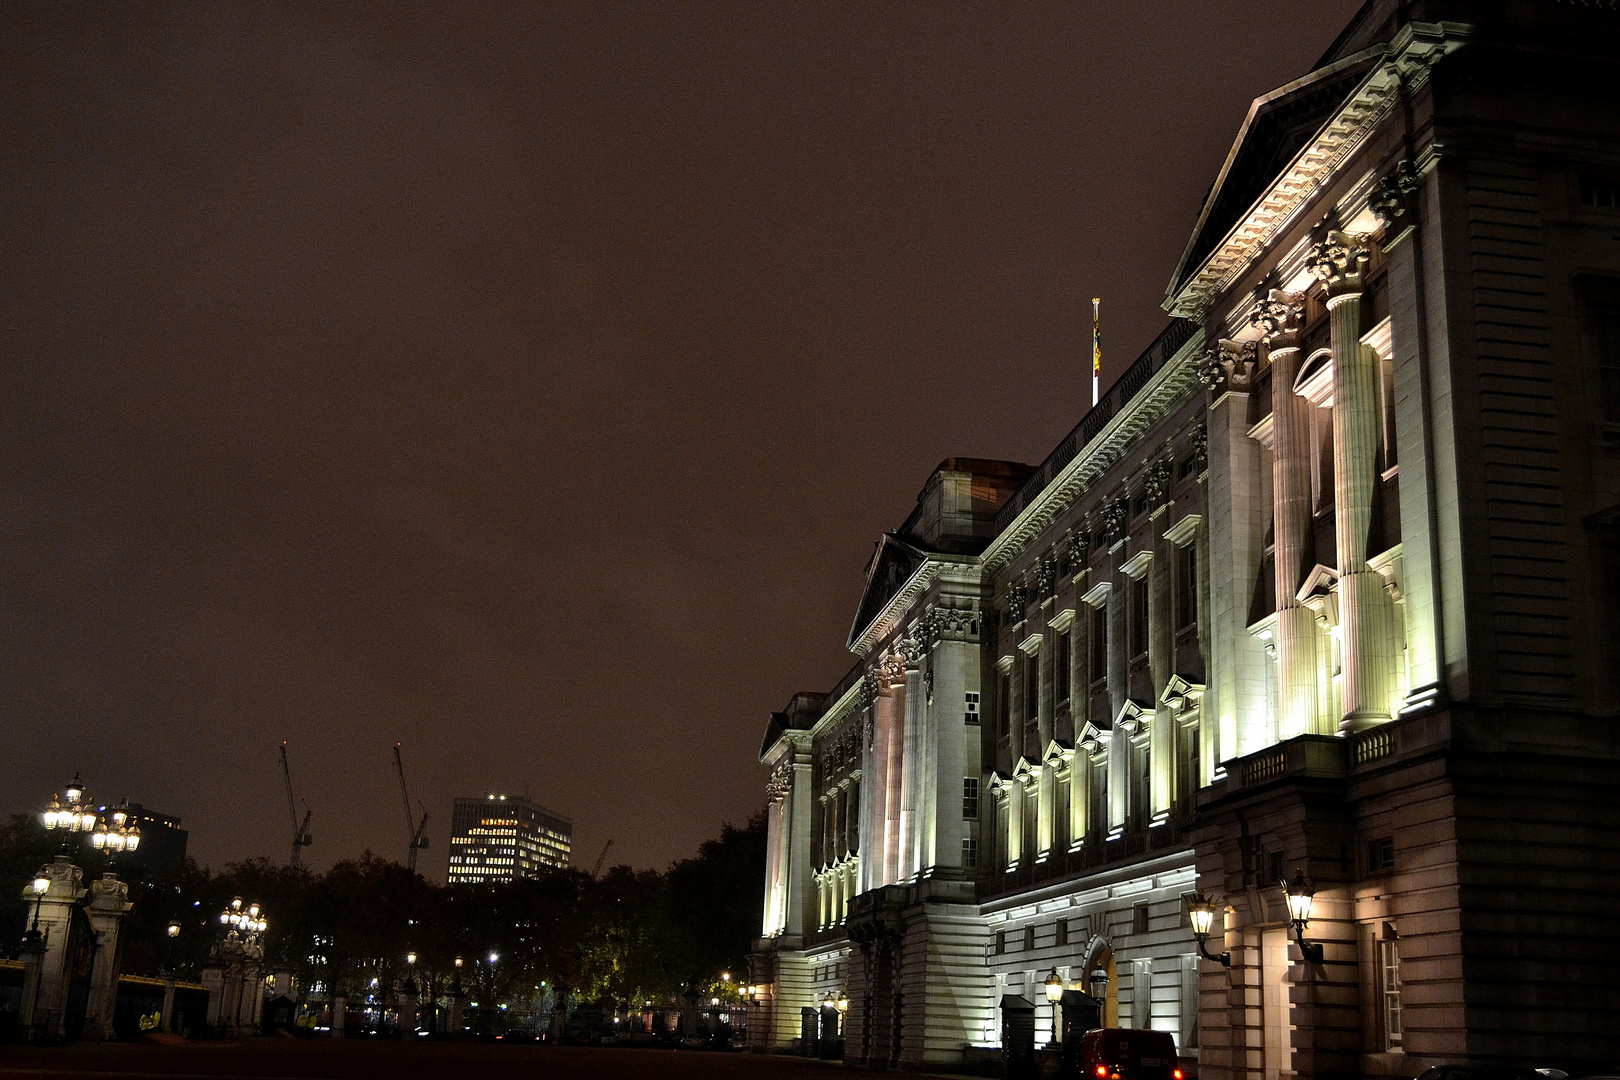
(1292, 453)
(1363, 602)
(109, 903)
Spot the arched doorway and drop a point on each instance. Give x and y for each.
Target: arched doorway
(1098, 967)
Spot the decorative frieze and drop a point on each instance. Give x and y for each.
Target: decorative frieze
(1160, 476)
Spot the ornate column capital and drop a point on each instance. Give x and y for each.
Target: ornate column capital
(1338, 262)
(1279, 319)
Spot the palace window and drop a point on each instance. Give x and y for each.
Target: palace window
(970, 852)
(1601, 317)
(970, 707)
(1099, 644)
(1139, 617)
(1139, 918)
(970, 798)
(1029, 939)
(1003, 704)
(1141, 785)
(1380, 854)
(1601, 193)
(1001, 942)
(1098, 813)
(1063, 931)
(1389, 974)
(1032, 687)
(1060, 667)
(1187, 587)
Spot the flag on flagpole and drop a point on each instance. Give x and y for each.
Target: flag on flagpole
(1096, 352)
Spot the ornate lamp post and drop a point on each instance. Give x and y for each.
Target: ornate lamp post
(122, 836)
(39, 887)
(166, 1022)
(240, 952)
(842, 1005)
(71, 812)
(1201, 913)
(1054, 994)
(1300, 896)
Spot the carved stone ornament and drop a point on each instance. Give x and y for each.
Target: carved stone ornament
(893, 666)
(1200, 446)
(1017, 597)
(1390, 196)
(781, 782)
(1114, 514)
(1338, 262)
(928, 683)
(1212, 373)
(1045, 575)
(954, 624)
(1278, 318)
(874, 685)
(1079, 550)
(1157, 488)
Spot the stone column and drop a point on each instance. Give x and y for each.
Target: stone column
(166, 1023)
(33, 954)
(874, 753)
(1357, 424)
(109, 903)
(913, 765)
(1292, 517)
(1161, 644)
(893, 674)
(1238, 721)
(798, 870)
(55, 917)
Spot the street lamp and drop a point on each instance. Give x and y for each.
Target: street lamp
(41, 885)
(70, 812)
(1201, 913)
(122, 836)
(1054, 994)
(842, 1005)
(174, 932)
(1300, 896)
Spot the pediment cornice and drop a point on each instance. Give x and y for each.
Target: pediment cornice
(1407, 61)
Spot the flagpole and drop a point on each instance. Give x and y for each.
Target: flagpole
(1096, 353)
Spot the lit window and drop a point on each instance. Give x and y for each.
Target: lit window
(1389, 969)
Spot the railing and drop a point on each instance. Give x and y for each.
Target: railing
(1263, 768)
(1374, 744)
(1154, 357)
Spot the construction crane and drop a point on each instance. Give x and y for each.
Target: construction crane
(601, 858)
(416, 829)
(301, 838)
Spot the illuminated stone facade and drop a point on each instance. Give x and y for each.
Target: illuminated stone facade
(1329, 581)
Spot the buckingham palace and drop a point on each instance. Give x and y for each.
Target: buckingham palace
(1305, 638)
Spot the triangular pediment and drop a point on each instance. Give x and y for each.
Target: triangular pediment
(891, 567)
(1276, 128)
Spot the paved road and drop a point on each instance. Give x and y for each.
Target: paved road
(269, 1059)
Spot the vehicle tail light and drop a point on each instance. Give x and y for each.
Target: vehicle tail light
(1102, 1071)
(1175, 1074)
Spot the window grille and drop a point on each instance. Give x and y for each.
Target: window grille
(970, 798)
(970, 707)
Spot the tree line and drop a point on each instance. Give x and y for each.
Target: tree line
(629, 936)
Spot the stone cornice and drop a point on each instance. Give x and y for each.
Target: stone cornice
(839, 709)
(1168, 385)
(1407, 60)
(933, 565)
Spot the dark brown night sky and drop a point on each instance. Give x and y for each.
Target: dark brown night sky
(529, 383)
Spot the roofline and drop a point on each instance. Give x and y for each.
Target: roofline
(1259, 103)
